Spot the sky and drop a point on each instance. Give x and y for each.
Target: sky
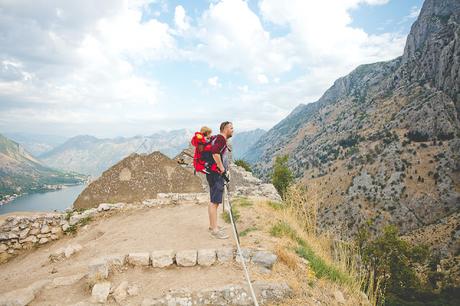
(121, 68)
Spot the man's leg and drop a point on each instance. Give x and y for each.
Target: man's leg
(212, 210)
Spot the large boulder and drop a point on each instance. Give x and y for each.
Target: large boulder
(136, 178)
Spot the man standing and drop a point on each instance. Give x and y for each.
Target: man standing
(215, 179)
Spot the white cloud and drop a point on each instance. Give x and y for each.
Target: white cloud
(77, 61)
(262, 79)
(180, 19)
(214, 81)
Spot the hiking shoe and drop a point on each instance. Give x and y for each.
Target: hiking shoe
(219, 228)
(219, 234)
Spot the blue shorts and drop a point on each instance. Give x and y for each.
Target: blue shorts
(216, 187)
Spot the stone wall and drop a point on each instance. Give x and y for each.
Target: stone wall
(24, 232)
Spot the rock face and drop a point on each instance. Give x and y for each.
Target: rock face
(383, 143)
(137, 178)
(242, 182)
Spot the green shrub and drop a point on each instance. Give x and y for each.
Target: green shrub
(244, 164)
(248, 230)
(276, 205)
(281, 177)
(392, 260)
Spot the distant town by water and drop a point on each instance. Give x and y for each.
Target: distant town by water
(50, 201)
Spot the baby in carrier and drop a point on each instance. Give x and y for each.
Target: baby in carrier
(202, 159)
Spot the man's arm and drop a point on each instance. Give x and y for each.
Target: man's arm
(218, 162)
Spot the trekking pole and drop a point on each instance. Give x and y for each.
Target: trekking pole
(237, 238)
(230, 212)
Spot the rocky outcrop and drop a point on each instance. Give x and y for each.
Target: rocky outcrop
(382, 145)
(136, 178)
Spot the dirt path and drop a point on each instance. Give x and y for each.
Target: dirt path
(143, 230)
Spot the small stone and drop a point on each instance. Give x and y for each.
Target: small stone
(338, 295)
(43, 240)
(23, 234)
(58, 255)
(71, 249)
(56, 230)
(133, 290)
(206, 257)
(100, 292)
(224, 255)
(45, 229)
(246, 255)
(3, 247)
(65, 226)
(75, 218)
(186, 258)
(139, 259)
(117, 260)
(104, 207)
(264, 258)
(120, 293)
(34, 231)
(163, 258)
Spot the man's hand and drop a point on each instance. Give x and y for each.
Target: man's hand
(225, 176)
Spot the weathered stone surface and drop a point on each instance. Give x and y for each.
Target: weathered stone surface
(71, 249)
(45, 229)
(66, 280)
(133, 290)
(246, 253)
(139, 259)
(43, 240)
(338, 295)
(264, 258)
(115, 260)
(226, 295)
(100, 292)
(75, 218)
(186, 258)
(120, 293)
(98, 269)
(225, 255)
(206, 257)
(162, 258)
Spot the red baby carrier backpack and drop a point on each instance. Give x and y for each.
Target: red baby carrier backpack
(202, 159)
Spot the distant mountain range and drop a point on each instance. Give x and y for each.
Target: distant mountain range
(90, 155)
(241, 142)
(34, 143)
(382, 145)
(21, 172)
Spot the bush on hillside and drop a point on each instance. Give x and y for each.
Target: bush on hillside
(281, 177)
(244, 164)
(391, 261)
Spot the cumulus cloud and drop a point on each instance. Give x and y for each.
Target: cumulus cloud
(214, 81)
(67, 61)
(88, 62)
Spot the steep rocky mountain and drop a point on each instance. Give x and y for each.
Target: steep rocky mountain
(21, 172)
(90, 155)
(36, 144)
(241, 142)
(382, 145)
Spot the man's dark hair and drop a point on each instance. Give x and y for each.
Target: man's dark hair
(223, 125)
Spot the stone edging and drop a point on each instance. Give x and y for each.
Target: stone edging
(100, 268)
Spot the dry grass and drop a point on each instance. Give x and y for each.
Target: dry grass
(311, 258)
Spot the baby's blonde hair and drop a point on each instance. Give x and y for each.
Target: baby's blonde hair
(206, 131)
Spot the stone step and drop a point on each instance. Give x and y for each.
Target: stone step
(99, 268)
(225, 295)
